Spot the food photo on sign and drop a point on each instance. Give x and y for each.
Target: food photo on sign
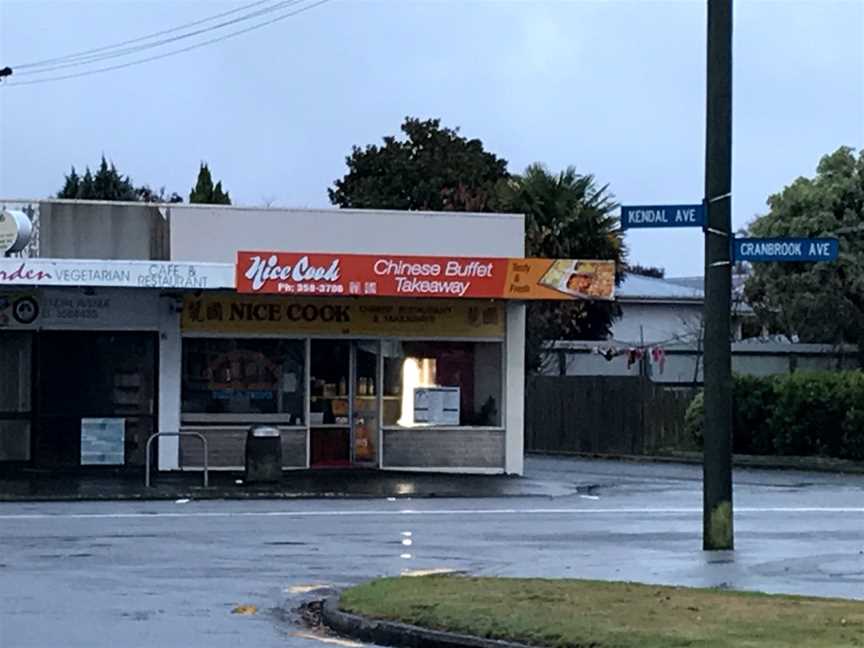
(584, 279)
(560, 279)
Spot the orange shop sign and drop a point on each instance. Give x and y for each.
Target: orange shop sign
(352, 275)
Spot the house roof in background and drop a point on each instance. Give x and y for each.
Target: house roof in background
(639, 288)
(696, 283)
(738, 281)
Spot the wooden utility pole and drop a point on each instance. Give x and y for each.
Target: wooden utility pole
(717, 471)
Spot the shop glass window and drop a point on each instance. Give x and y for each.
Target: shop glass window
(442, 384)
(244, 376)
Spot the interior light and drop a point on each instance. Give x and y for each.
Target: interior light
(410, 381)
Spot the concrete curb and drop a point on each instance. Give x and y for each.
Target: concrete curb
(390, 633)
(804, 464)
(216, 494)
(191, 495)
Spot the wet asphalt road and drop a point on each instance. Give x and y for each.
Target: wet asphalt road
(168, 574)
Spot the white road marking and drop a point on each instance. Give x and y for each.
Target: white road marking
(304, 589)
(420, 512)
(408, 573)
(328, 640)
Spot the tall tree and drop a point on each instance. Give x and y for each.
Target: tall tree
(568, 216)
(431, 168)
(435, 168)
(109, 184)
(206, 192)
(818, 302)
(106, 184)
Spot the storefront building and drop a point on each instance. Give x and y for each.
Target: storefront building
(82, 346)
(414, 384)
(409, 360)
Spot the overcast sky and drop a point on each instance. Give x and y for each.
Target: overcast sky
(614, 88)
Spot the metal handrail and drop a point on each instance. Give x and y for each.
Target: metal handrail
(177, 434)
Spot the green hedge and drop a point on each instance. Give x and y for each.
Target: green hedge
(796, 414)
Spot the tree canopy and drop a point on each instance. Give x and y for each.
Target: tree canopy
(205, 191)
(109, 184)
(431, 168)
(818, 302)
(567, 215)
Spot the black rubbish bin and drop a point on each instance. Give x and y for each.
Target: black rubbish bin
(263, 454)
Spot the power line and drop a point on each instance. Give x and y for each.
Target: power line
(173, 52)
(74, 55)
(118, 53)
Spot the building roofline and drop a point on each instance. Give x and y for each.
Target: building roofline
(324, 210)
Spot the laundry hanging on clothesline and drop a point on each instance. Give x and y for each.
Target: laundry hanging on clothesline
(609, 353)
(656, 355)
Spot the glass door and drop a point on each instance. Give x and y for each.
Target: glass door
(365, 416)
(329, 404)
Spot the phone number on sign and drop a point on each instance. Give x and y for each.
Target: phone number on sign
(310, 289)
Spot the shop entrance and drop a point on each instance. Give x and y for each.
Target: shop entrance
(344, 416)
(16, 381)
(95, 398)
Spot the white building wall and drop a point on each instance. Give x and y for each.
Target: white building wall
(216, 233)
(661, 322)
(684, 363)
(514, 422)
(169, 382)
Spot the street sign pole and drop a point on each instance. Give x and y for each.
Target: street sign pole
(717, 533)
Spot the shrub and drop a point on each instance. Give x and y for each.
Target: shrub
(853, 421)
(754, 399)
(798, 414)
(694, 419)
(808, 415)
(853, 434)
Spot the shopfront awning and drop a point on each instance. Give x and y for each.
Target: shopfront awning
(387, 275)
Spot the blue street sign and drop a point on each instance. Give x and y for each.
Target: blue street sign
(662, 216)
(785, 249)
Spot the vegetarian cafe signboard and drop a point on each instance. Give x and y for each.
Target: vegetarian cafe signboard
(115, 274)
(352, 275)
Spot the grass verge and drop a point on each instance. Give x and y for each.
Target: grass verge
(574, 613)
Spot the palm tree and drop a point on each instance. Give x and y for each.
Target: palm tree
(567, 216)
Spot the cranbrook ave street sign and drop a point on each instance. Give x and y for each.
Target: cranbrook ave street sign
(785, 249)
(633, 216)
